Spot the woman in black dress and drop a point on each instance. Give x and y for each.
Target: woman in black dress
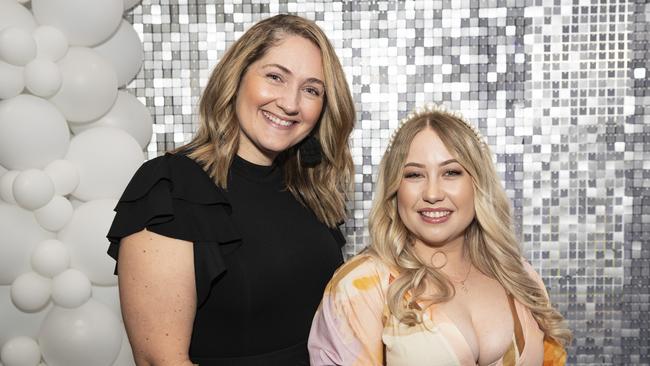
(225, 245)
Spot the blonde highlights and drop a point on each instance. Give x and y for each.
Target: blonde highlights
(492, 245)
(323, 187)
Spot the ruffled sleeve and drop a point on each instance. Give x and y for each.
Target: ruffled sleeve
(172, 196)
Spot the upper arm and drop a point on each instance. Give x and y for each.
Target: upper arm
(348, 326)
(157, 296)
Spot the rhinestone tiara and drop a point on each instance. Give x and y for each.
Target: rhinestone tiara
(431, 108)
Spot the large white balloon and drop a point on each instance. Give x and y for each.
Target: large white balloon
(14, 14)
(21, 351)
(84, 22)
(124, 51)
(51, 43)
(89, 85)
(109, 296)
(125, 358)
(107, 158)
(32, 133)
(88, 335)
(33, 189)
(30, 292)
(55, 214)
(16, 322)
(42, 77)
(71, 289)
(50, 257)
(12, 78)
(20, 234)
(17, 46)
(65, 176)
(85, 236)
(127, 114)
(6, 186)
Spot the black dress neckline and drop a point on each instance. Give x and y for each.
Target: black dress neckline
(265, 174)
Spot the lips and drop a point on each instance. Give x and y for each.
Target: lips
(277, 121)
(436, 216)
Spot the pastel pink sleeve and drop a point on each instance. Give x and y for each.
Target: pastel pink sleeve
(347, 328)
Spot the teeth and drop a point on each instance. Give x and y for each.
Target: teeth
(277, 120)
(435, 214)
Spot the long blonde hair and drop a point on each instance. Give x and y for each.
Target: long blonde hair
(490, 240)
(322, 187)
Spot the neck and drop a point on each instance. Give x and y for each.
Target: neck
(450, 258)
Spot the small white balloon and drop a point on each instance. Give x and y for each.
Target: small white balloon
(13, 14)
(85, 236)
(21, 351)
(17, 46)
(71, 289)
(42, 77)
(65, 176)
(6, 186)
(50, 258)
(88, 335)
(33, 189)
(15, 321)
(127, 114)
(55, 214)
(20, 233)
(51, 43)
(89, 85)
(84, 22)
(12, 78)
(32, 133)
(30, 292)
(124, 51)
(107, 158)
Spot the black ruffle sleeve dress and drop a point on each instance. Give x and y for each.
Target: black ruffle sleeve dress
(261, 259)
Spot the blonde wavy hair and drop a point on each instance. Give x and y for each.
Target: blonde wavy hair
(322, 187)
(492, 246)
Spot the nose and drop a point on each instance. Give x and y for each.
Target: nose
(289, 101)
(433, 192)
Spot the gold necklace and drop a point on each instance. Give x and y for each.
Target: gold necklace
(462, 283)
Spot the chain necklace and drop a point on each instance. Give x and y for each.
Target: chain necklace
(462, 283)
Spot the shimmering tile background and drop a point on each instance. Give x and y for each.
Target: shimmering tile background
(558, 87)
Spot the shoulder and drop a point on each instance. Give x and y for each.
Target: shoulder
(361, 273)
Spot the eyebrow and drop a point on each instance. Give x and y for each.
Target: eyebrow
(418, 165)
(287, 71)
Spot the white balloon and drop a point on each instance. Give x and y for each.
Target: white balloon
(6, 186)
(89, 85)
(107, 158)
(76, 202)
(32, 133)
(51, 43)
(71, 289)
(85, 236)
(88, 335)
(16, 322)
(84, 22)
(42, 77)
(55, 214)
(50, 257)
(12, 78)
(124, 51)
(128, 4)
(109, 296)
(65, 176)
(21, 351)
(33, 189)
(17, 46)
(13, 14)
(127, 114)
(125, 358)
(30, 292)
(20, 234)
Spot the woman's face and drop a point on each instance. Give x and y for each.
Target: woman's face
(280, 99)
(435, 198)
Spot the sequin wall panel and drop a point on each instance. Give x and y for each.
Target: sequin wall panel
(559, 88)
